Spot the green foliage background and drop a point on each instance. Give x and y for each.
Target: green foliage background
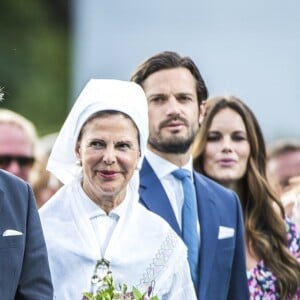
(34, 60)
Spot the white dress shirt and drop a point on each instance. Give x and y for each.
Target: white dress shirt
(173, 186)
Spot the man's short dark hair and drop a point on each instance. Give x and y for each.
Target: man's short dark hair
(169, 60)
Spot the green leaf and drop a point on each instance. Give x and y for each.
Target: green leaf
(88, 296)
(137, 294)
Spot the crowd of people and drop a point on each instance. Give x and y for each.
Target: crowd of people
(174, 192)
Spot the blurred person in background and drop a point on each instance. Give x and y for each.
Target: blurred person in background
(230, 149)
(18, 139)
(43, 182)
(283, 170)
(291, 200)
(24, 155)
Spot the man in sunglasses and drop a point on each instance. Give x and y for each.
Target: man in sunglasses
(17, 144)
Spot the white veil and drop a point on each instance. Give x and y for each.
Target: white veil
(98, 95)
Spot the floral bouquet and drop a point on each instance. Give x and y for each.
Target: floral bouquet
(103, 287)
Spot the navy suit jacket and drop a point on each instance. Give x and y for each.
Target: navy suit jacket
(24, 269)
(222, 271)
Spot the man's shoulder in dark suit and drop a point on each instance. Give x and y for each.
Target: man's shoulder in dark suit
(23, 250)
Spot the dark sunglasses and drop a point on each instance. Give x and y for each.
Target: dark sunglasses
(22, 161)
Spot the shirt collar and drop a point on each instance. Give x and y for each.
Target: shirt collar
(93, 210)
(163, 167)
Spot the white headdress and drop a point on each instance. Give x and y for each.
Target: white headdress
(97, 95)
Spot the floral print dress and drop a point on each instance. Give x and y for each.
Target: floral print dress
(262, 283)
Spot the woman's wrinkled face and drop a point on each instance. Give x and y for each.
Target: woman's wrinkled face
(109, 154)
(227, 149)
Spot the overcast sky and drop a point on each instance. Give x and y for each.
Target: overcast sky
(251, 50)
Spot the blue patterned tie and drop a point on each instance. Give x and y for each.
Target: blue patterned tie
(189, 221)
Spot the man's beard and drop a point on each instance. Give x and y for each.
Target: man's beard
(174, 145)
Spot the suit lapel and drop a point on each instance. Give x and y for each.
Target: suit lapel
(1, 199)
(154, 197)
(209, 226)
(2, 214)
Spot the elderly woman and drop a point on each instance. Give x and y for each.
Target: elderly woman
(96, 215)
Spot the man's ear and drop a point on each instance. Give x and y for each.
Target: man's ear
(202, 113)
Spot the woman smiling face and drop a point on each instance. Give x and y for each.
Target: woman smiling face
(227, 148)
(108, 149)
